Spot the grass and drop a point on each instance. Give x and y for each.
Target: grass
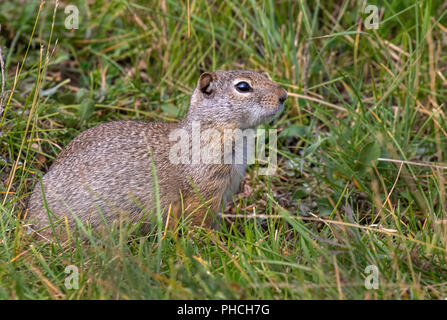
(358, 99)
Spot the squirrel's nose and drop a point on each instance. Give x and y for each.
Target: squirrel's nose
(282, 94)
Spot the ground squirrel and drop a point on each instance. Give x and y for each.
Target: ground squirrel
(109, 168)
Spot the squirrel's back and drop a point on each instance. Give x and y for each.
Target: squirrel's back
(108, 168)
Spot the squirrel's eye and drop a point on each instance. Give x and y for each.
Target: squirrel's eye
(243, 87)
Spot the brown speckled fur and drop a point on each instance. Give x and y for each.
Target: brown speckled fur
(108, 167)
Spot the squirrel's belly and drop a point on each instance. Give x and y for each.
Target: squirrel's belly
(236, 176)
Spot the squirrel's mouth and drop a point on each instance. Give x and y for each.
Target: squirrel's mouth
(273, 113)
(280, 108)
(267, 115)
(270, 115)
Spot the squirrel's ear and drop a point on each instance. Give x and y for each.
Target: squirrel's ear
(204, 82)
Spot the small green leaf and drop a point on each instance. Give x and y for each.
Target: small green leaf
(81, 94)
(299, 194)
(86, 109)
(294, 131)
(170, 110)
(324, 206)
(369, 153)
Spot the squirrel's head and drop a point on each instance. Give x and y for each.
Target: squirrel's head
(238, 98)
